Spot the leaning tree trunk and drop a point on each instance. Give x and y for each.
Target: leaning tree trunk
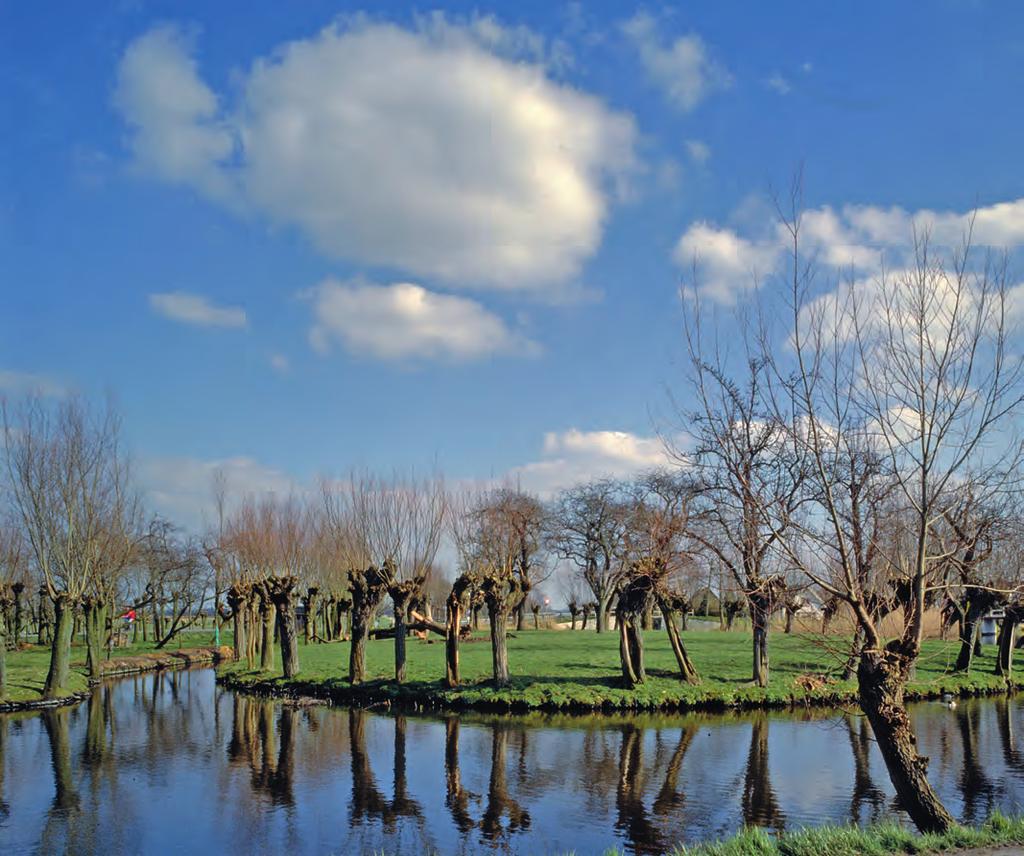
(282, 595)
(633, 602)
(881, 678)
(687, 671)
(60, 650)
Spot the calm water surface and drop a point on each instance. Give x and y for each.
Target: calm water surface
(168, 763)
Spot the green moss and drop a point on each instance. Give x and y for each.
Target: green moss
(565, 670)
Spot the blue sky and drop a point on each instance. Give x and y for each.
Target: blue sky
(292, 242)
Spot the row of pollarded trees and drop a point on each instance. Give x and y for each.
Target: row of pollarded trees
(72, 530)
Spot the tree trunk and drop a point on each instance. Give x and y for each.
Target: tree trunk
(17, 589)
(687, 671)
(268, 615)
(237, 605)
(401, 631)
(95, 612)
(357, 651)
(968, 637)
(881, 678)
(451, 642)
(282, 596)
(60, 651)
(499, 645)
(759, 619)
(45, 617)
(312, 604)
(1004, 655)
(521, 617)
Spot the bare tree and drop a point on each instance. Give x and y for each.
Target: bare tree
(658, 544)
(747, 474)
(67, 478)
(588, 530)
(915, 367)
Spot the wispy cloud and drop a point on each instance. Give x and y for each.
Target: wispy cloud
(197, 310)
(29, 382)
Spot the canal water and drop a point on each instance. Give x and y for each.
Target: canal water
(170, 763)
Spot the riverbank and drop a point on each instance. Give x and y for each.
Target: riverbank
(579, 672)
(994, 836)
(27, 671)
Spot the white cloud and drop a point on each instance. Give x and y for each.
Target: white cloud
(280, 363)
(181, 488)
(699, 152)
(683, 69)
(406, 321)
(728, 264)
(30, 383)
(573, 456)
(424, 150)
(196, 309)
(177, 131)
(853, 238)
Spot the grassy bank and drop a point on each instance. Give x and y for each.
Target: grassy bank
(27, 667)
(880, 840)
(565, 670)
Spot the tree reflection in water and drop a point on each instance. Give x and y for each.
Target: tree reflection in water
(499, 802)
(367, 800)
(457, 798)
(268, 750)
(541, 783)
(976, 788)
(867, 802)
(5, 808)
(759, 803)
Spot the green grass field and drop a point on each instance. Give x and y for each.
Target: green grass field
(879, 840)
(561, 669)
(27, 668)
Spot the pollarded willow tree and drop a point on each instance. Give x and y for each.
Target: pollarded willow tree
(67, 479)
(659, 546)
(388, 532)
(912, 367)
(490, 548)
